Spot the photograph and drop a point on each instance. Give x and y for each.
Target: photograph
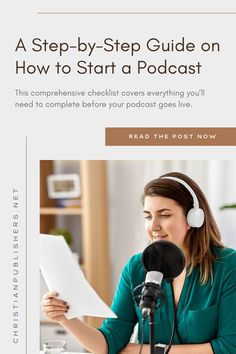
(155, 240)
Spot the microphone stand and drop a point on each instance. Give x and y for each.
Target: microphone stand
(150, 312)
(148, 304)
(152, 332)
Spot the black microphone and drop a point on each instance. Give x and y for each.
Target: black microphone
(161, 260)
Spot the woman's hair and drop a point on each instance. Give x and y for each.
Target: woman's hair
(198, 241)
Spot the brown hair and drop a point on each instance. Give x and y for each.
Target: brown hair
(198, 241)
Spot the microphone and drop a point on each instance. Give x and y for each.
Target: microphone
(161, 260)
(150, 292)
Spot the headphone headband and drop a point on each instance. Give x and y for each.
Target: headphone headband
(191, 191)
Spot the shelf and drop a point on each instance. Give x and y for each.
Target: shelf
(61, 211)
(92, 213)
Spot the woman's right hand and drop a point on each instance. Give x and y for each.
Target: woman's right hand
(54, 308)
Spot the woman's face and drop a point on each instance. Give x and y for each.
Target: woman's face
(165, 220)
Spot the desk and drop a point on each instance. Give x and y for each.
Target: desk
(41, 352)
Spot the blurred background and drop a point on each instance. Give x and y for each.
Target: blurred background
(96, 206)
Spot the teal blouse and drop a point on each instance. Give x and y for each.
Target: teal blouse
(205, 313)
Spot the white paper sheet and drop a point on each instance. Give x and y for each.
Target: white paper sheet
(64, 275)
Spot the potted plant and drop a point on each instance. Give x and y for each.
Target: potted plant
(62, 232)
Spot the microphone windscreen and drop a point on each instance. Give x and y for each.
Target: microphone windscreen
(164, 257)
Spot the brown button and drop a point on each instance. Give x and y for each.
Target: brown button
(170, 136)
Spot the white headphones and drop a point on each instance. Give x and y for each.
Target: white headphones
(195, 216)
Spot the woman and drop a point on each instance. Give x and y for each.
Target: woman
(204, 293)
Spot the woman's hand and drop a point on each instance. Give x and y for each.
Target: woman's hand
(54, 308)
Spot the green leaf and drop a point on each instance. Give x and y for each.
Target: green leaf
(228, 206)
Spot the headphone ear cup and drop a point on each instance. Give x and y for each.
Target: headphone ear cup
(195, 217)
